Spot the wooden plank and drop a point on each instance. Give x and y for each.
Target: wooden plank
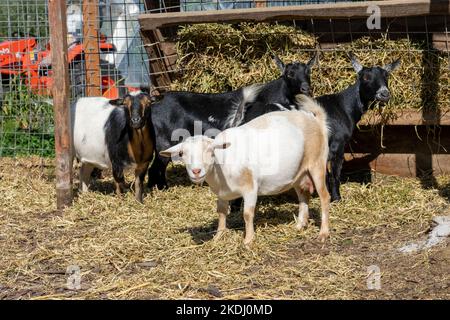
(389, 9)
(412, 118)
(401, 139)
(443, 36)
(441, 41)
(63, 142)
(160, 75)
(91, 49)
(400, 164)
(168, 48)
(407, 150)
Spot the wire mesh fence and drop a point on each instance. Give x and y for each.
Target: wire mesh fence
(26, 112)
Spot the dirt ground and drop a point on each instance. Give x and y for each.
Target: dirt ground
(162, 249)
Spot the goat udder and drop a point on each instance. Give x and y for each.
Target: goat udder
(306, 184)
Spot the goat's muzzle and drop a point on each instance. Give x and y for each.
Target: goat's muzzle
(305, 89)
(383, 95)
(137, 123)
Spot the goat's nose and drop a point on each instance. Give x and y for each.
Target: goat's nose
(135, 119)
(385, 94)
(196, 171)
(304, 89)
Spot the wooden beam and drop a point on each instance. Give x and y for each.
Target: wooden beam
(412, 118)
(389, 9)
(441, 41)
(160, 68)
(63, 142)
(91, 49)
(399, 164)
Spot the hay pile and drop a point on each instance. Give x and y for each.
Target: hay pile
(221, 57)
(162, 248)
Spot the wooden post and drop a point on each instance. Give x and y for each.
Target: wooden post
(63, 142)
(91, 49)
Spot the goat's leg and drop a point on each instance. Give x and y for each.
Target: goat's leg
(222, 210)
(157, 173)
(139, 174)
(85, 176)
(318, 177)
(336, 165)
(303, 211)
(118, 179)
(249, 214)
(329, 179)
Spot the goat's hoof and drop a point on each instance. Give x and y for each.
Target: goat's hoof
(301, 226)
(247, 243)
(323, 236)
(219, 235)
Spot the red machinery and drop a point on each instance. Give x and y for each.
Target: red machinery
(24, 58)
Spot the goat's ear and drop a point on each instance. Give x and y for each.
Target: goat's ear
(355, 63)
(148, 99)
(279, 63)
(171, 151)
(392, 66)
(116, 102)
(313, 61)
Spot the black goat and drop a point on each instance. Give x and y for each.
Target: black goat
(177, 115)
(345, 109)
(295, 79)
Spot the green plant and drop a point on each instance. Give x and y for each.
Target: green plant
(29, 110)
(26, 122)
(23, 19)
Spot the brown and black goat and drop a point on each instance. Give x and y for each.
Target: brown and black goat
(114, 134)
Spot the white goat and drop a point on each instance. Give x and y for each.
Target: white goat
(269, 155)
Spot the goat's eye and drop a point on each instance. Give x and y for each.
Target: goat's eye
(180, 154)
(366, 77)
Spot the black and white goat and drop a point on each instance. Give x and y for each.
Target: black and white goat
(113, 134)
(176, 115)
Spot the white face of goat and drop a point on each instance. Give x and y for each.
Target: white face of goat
(197, 153)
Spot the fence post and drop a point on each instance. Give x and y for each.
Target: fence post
(91, 48)
(60, 90)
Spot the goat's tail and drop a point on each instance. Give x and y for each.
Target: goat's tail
(248, 95)
(310, 105)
